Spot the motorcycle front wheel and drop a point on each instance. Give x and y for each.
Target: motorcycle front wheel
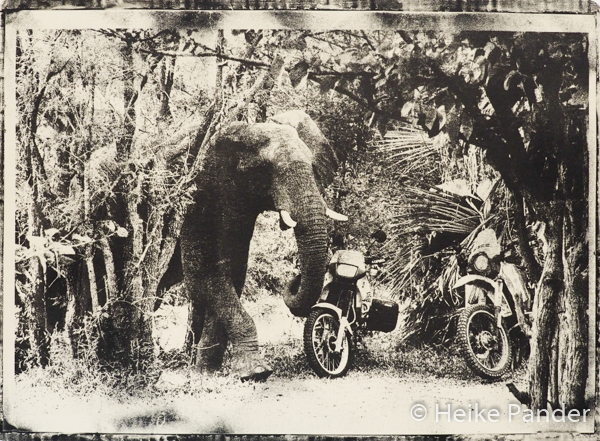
(320, 333)
(485, 346)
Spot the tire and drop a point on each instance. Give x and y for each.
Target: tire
(485, 346)
(320, 331)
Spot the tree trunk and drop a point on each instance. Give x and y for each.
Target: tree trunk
(124, 143)
(553, 379)
(110, 283)
(127, 331)
(78, 306)
(531, 264)
(167, 73)
(39, 341)
(575, 301)
(151, 271)
(139, 324)
(91, 275)
(545, 306)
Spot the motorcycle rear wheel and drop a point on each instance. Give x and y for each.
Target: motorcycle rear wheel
(320, 333)
(485, 346)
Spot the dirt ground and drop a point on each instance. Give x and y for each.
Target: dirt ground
(365, 402)
(358, 404)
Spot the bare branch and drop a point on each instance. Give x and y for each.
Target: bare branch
(248, 61)
(109, 266)
(89, 264)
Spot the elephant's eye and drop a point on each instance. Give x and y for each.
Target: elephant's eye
(248, 162)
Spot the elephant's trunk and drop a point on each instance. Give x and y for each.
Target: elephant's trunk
(308, 211)
(312, 255)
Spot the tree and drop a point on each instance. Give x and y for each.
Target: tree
(109, 205)
(126, 197)
(518, 93)
(521, 99)
(517, 98)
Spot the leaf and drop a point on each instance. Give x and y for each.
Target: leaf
(110, 225)
(298, 72)
(62, 249)
(82, 239)
(441, 114)
(37, 243)
(466, 126)
(407, 109)
(122, 232)
(64, 260)
(325, 57)
(379, 84)
(485, 105)
(430, 117)
(385, 46)
(389, 69)
(327, 84)
(345, 58)
(512, 79)
(276, 67)
(368, 61)
(480, 69)
(51, 232)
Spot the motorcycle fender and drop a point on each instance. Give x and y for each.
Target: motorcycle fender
(333, 308)
(496, 296)
(474, 277)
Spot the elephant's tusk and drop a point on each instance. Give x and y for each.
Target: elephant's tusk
(336, 216)
(287, 219)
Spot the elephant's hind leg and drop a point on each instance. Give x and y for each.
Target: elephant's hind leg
(240, 329)
(227, 321)
(212, 345)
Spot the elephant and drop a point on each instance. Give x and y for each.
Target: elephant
(281, 165)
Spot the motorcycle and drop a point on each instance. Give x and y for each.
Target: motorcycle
(495, 324)
(345, 306)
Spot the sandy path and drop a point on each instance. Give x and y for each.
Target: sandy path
(360, 403)
(357, 404)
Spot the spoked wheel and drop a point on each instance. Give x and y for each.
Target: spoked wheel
(320, 333)
(483, 344)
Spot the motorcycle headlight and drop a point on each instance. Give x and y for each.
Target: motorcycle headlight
(348, 271)
(481, 263)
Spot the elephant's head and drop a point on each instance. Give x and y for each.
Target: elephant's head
(275, 169)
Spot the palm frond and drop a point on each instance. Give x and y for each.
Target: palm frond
(427, 210)
(430, 220)
(407, 148)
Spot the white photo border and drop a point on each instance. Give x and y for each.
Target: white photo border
(314, 20)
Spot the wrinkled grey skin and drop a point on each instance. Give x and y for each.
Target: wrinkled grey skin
(251, 168)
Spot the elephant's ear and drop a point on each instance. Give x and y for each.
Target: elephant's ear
(325, 161)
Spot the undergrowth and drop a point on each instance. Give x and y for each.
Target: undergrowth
(173, 373)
